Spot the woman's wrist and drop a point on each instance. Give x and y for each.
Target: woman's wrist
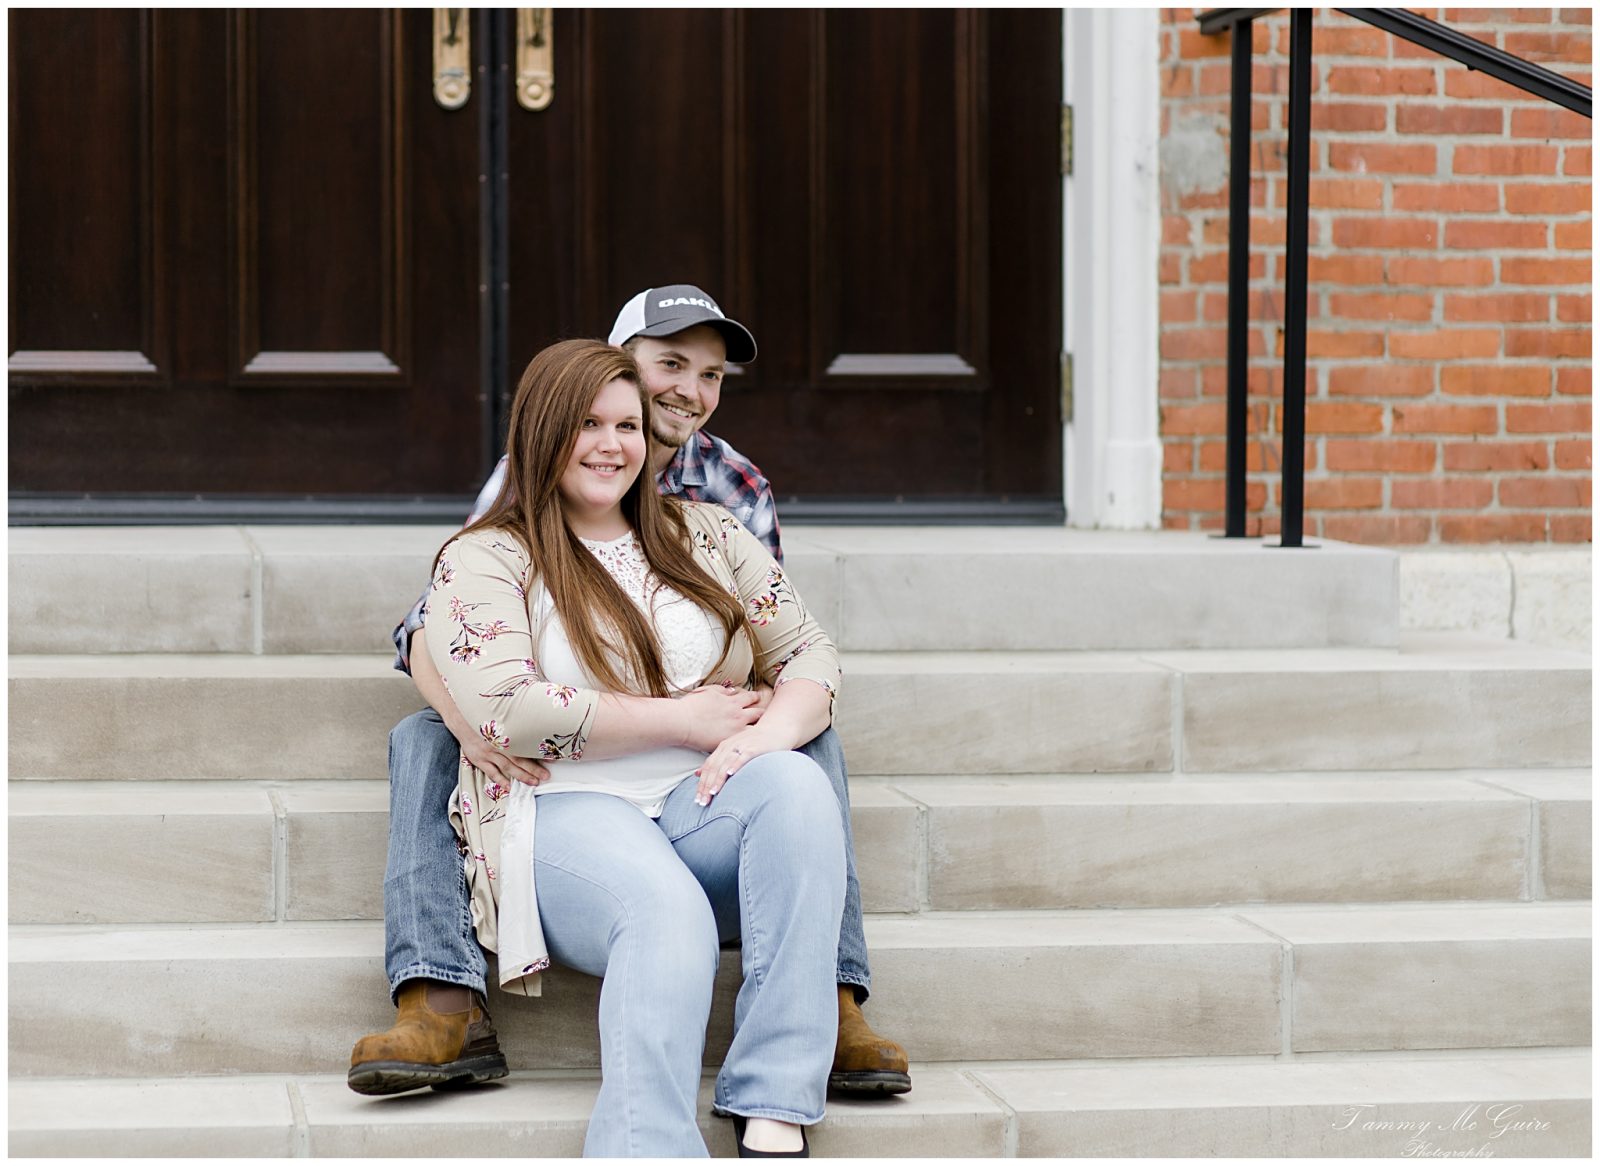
(799, 711)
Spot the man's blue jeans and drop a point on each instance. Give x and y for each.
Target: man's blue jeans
(427, 924)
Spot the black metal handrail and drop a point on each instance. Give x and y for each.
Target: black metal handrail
(1439, 38)
(1474, 54)
(1223, 19)
(1445, 41)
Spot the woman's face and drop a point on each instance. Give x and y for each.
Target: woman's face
(606, 458)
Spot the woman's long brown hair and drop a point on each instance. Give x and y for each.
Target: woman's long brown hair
(604, 626)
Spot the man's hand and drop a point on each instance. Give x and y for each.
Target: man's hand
(493, 762)
(500, 765)
(762, 693)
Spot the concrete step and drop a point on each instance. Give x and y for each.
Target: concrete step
(1565, 832)
(1443, 701)
(1361, 978)
(340, 589)
(1366, 1106)
(1528, 1105)
(102, 852)
(289, 717)
(1009, 843)
(293, 998)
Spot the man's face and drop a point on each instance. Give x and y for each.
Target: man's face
(683, 376)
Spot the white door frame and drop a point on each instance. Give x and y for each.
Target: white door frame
(1111, 294)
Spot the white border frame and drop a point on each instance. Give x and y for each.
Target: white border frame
(1110, 268)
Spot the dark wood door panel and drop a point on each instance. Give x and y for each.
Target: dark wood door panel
(319, 197)
(657, 158)
(630, 172)
(323, 303)
(84, 182)
(898, 230)
(863, 189)
(1020, 432)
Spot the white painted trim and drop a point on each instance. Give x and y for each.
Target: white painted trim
(1111, 77)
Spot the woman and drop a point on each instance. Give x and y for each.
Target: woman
(589, 622)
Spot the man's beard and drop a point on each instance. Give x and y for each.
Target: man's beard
(666, 436)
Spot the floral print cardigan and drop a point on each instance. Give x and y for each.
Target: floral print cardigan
(486, 652)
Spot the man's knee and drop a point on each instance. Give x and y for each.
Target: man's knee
(424, 762)
(827, 751)
(421, 742)
(418, 731)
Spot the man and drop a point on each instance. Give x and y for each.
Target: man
(443, 1035)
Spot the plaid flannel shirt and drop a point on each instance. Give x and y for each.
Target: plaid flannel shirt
(705, 469)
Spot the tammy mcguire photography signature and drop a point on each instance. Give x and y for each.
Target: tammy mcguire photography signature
(1488, 1122)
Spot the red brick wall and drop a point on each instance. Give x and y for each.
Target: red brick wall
(1448, 380)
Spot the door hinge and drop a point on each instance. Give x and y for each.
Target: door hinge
(1066, 139)
(1066, 387)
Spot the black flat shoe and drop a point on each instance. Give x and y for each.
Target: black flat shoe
(746, 1152)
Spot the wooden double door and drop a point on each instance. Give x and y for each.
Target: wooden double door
(253, 255)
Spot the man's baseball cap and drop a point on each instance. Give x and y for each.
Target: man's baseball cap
(663, 311)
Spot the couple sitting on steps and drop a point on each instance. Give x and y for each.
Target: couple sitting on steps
(617, 596)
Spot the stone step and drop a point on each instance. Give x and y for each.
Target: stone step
(340, 589)
(293, 998)
(102, 852)
(1442, 701)
(1508, 1104)
(1368, 1106)
(1052, 843)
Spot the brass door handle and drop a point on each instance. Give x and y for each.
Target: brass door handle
(452, 57)
(536, 58)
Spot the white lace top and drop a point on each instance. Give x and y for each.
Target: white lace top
(690, 639)
(690, 643)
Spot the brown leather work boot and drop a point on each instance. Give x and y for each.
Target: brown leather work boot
(864, 1063)
(443, 1037)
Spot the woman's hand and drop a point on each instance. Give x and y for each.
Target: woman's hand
(713, 712)
(500, 765)
(731, 754)
(793, 715)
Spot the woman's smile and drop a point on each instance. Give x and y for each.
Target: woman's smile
(607, 456)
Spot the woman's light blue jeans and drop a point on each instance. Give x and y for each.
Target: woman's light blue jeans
(646, 904)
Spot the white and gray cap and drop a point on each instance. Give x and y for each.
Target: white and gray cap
(663, 311)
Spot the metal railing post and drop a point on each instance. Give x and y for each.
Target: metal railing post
(1294, 290)
(1238, 282)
